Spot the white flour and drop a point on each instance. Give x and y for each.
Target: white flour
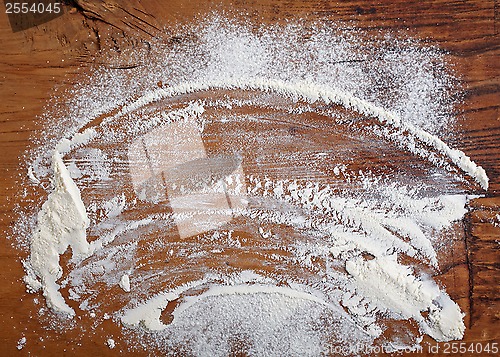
(312, 93)
(61, 223)
(125, 283)
(338, 252)
(111, 343)
(21, 343)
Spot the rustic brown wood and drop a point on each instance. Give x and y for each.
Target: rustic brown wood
(33, 61)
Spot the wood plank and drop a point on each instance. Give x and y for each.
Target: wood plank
(34, 61)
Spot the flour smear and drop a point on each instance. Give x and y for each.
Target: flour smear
(260, 138)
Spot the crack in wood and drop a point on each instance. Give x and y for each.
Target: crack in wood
(468, 238)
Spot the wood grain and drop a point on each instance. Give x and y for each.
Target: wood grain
(34, 61)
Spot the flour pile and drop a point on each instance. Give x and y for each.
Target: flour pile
(266, 140)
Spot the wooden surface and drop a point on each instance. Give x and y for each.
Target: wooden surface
(33, 61)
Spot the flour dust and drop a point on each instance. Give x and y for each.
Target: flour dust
(271, 190)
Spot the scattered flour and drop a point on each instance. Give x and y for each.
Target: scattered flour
(312, 93)
(125, 283)
(395, 289)
(21, 343)
(335, 259)
(111, 343)
(62, 222)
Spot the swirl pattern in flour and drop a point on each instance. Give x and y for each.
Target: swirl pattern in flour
(251, 203)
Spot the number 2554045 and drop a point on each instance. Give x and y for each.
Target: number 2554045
(37, 8)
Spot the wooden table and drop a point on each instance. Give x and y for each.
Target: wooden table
(35, 60)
